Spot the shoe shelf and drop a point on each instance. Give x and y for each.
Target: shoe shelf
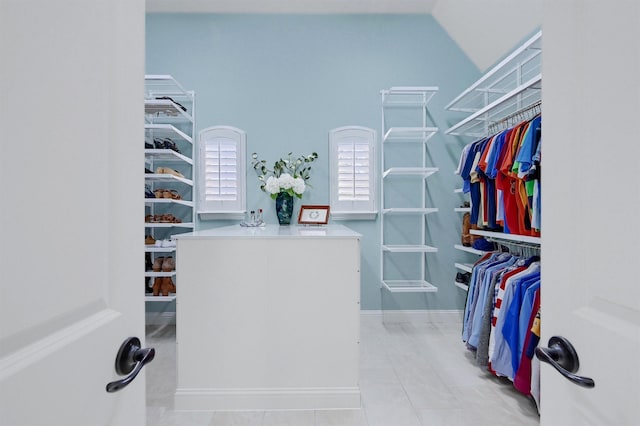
(168, 225)
(168, 155)
(468, 249)
(160, 274)
(409, 134)
(467, 267)
(166, 131)
(409, 248)
(410, 210)
(155, 249)
(170, 119)
(464, 287)
(409, 286)
(170, 298)
(166, 110)
(167, 178)
(406, 129)
(152, 201)
(410, 171)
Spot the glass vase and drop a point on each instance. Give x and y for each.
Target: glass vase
(284, 208)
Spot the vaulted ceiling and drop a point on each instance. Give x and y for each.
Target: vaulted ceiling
(484, 29)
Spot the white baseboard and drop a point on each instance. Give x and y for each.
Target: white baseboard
(160, 318)
(209, 399)
(417, 316)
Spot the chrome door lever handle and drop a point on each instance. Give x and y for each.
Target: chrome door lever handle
(563, 357)
(130, 360)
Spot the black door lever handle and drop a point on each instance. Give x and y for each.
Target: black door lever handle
(563, 357)
(130, 360)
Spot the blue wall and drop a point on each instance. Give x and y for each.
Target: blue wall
(289, 79)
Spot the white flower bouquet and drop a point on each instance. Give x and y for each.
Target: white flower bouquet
(288, 174)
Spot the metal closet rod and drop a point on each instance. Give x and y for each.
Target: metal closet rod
(514, 118)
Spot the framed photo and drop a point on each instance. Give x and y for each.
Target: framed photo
(313, 215)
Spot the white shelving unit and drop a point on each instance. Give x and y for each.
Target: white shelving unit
(169, 115)
(405, 129)
(493, 101)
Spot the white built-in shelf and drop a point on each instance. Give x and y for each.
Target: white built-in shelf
(163, 177)
(406, 248)
(151, 201)
(467, 267)
(457, 191)
(507, 237)
(168, 225)
(464, 287)
(166, 155)
(468, 249)
(409, 286)
(410, 210)
(410, 171)
(170, 298)
(462, 209)
(409, 134)
(166, 131)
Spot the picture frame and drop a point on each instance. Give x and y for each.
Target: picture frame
(313, 215)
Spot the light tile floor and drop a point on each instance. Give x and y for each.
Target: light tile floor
(413, 372)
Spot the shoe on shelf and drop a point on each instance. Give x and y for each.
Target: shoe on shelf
(147, 171)
(170, 99)
(168, 264)
(170, 144)
(158, 144)
(157, 264)
(149, 240)
(148, 145)
(169, 171)
(157, 285)
(159, 193)
(167, 286)
(148, 193)
(172, 194)
(168, 243)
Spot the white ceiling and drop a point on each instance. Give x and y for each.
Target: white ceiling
(484, 29)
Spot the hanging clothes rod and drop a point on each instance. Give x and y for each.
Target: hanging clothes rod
(526, 113)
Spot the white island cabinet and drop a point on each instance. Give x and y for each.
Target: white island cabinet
(268, 318)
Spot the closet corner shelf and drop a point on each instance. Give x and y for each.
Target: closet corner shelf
(169, 298)
(167, 155)
(410, 171)
(167, 131)
(526, 94)
(467, 267)
(464, 287)
(410, 210)
(462, 209)
(468, 249)
(150, 201)
(409, 248)
(507, 237)
(408, 96)
(522, 62)
(163, 177)
(409, 286)
(409, 134)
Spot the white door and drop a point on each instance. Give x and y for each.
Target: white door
(71, 80)
(591, 112)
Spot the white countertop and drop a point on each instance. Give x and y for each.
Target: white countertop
(272, 231)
